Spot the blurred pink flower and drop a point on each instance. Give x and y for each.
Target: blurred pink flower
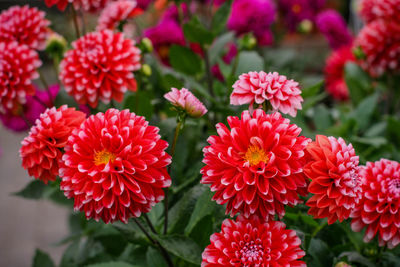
(184, 100)
(117, 12)
(296, 11)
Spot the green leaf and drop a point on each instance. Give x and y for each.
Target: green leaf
(376, 142)
(111, 264)
(393, 130)
(204, 206)
(320, 253)
(182, 247)
(184, 60)
(140, 103)
(218, 46)
(322, 118)
(196, 32)
(42, 259)
(34, 190)
(364, 111)
(154, 258)
(376, 129)
(249, 61)
(220, 17)
(357, 81)
(312, 90)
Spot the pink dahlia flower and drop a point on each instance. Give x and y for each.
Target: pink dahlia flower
(371, 10)
(114, 166)
(25, 25)
(258, 87)
(378, 210)
(116, 12)
(256, 167)
(18, 65)
(185, 101)
(100, 67)
(27, 114)
(253, 242)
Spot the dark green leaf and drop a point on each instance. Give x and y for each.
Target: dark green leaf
(184, 60)
(182, 247)
(249, 61)
(320, 253)
(196, 32)
(42, 259)
(357, 81)
(140, 103)
(111, 264)
(154, 258)
(364, 111)
(312, 90)
(393, 130)
(322, 118)
(204, 206)
(34, 190)
(220, 17)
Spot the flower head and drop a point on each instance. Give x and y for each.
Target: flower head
(332, 166)
(87, 5)
(296, 11)
(379, 207)
(380, 43)
(184, 100)
(116, 12)
(332, 25)
(334, 72)
(27, 114)
(256, 167)
(114, 166)
(18, 64)
(258, 87)
(371, 10)
(99, 67)
(42, 149)
(252, 242)
(25, 25)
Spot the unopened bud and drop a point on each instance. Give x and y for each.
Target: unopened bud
(248, 42)
(146, 45)
(56, 45)
(146, 70)
(358, 53)
(305, 26)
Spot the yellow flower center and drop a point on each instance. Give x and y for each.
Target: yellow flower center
(296, 8)
(103, 157)
(255, 155)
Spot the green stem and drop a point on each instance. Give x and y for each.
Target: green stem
(149, 223)
(75, 19)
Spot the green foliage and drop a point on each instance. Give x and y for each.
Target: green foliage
(184, 60)
(42, 259)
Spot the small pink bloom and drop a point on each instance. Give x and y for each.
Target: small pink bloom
(117, 12)
(258, 87)
(185, 100)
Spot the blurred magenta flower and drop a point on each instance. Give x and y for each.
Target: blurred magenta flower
(185, 101)
(296, 11)
(31, 110)
(333, 26)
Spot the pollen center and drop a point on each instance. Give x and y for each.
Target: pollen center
(255, 155)
(103, 157)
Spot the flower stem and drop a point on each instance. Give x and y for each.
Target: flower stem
(149, 223)
(75, 19)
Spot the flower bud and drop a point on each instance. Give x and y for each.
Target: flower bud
(305, 26)
(248, 42)
(146, 45)
(56, 45)
(146, 70)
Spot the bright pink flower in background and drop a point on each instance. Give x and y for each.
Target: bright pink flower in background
(378, 210)
(117, 12)
(332, 166)
(334, 72)
(26, 114)
(296, 11)
(256, 166)
(259, 87)
(253, 242)
(371, 10)
(254, 16)
(333, 26)
(184, 100)
(114, 166)
(100, 67)
(18, 65)
(42, 149)
(380, 43)
(87, 5)
(25, 25)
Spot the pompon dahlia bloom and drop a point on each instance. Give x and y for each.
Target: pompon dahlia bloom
(296, 11)
(334, 72)
(332, 166)
(100, 67)
(25, 25)
(114, 166)
(18, 64)
(380, 43)
(116, 12)
(42, 149)
(26, 115)
(256, 167)
(253, 16)
(258, 87)
(185, 101)
(87, 5)
(252, 242)
(371, 10)
(378, 210)
(333, 26)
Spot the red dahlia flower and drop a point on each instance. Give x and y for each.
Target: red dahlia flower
(256, 167)
(114, 166)
(380, 9)
(42, 149)
(251, 242)
(336, 184)
(259, 87)
(379, 207)
(24, 25)
(334, 72)
(87, 5)
(18, 64)
(100, 66)
(116, 12)
(380, 43)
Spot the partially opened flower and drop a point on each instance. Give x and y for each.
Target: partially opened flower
(332, 166)
(259, 87)
(42, 149)
(87, 5)
(371, 10)
(18, 67)
(114, 166)
(378, 210)
(256, 166)
(117, 12)
(185, 101)
(25, 25)
(253, 242)
(100, 67)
